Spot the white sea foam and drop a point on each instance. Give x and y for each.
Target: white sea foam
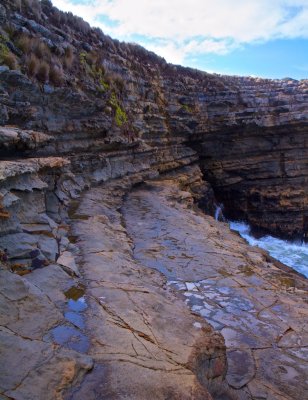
(293, 254)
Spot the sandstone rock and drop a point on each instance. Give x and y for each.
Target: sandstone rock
(52, 281)
(8, 198)
(34, 363)
(248, 136)
(32, 312)
(229, 284)
(126, 305)
(13, 168)
(67, 261)
(4, 68)
(2, 14)
(49, 247)
(18, 245)
(241, 368)
(27, 351)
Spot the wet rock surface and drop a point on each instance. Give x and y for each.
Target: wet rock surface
(30, 362)
(94, 281)
(250, 133)
(167, 302)
(143, 338)
(260, 310)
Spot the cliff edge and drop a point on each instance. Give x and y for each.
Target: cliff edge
(113, 282)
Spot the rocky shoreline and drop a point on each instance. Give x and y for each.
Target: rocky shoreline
(172, 304)
(115, 280)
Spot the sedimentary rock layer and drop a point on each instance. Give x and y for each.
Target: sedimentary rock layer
(250, 133)
(151, 273)
(76, 290)
(259, 175)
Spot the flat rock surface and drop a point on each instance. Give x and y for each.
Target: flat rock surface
(144, 340)
(260, 310)
(170, 304)
(32, 365)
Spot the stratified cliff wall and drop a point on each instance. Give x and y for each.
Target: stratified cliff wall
(250, 133)
(83, 120)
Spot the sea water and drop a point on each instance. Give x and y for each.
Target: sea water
(293, 254)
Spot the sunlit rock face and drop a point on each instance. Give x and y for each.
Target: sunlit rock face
(249, 133)
(260, 174)
(76, 136)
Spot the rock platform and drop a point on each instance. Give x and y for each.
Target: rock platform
(113, 283)
(260, 310)
(168, 303)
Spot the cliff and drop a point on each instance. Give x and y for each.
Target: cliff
(84, 119)
(99, 93)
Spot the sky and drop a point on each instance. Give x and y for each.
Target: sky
(266, 38)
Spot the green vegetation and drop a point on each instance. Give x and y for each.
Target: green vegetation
(83, 59)
(99, 75)
(120, 115)
(187, 108)
(4, 51)
(91, 65)
(6, 56)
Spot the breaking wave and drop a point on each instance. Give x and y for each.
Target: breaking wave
(293, 254)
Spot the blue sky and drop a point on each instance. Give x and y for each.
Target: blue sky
(267, 38)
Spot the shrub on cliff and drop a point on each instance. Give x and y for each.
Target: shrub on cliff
(24, 43)
(10, 60)
(120, 116)
(6, 56)
(33, 45)
(30, 7)
(68, 58)
(43, 72)
(32, 65)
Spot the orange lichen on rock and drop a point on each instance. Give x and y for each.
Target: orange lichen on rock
(3, 212)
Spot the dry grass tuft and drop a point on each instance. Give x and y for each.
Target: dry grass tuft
(69, 57)
(43, 72)
(10, 60)
(32, 65)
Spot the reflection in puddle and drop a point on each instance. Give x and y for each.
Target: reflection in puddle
(75, 319)
(76, 300)
(73, 337)
(75, 292)
(77, 305)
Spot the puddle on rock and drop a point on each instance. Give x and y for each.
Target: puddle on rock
(77, 305)
(73, 337)
(75, 292)
(76, 299)
(75, 318)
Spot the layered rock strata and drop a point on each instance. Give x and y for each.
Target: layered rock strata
(159, 286)
(250, 133)
(71, 258)
(49, 285)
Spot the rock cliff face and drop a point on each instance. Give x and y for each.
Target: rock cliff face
(82, 123)
(250, 133)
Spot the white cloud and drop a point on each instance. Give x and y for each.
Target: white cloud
(181, 28)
